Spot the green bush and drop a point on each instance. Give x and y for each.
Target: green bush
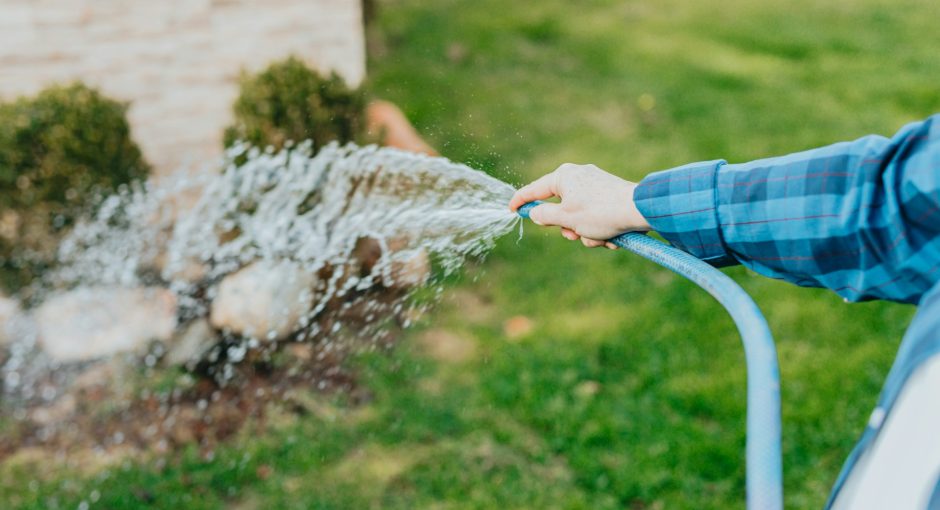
(288, 101)
(58, 151)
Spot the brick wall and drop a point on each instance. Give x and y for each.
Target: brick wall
(176, 61)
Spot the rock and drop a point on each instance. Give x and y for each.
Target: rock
(367, 252)
(57, 412)
(94, 322)
(173, 203)
(265, 299)
(188, 270)
(386, 122)
(190, 343)
(409, 269)
(10, 318)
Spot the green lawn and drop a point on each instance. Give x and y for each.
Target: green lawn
(628, 388)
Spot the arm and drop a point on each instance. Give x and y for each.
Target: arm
(860, 218)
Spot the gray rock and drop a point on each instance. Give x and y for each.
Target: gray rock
(190, 343)
(95, 322)
(11, 318)
(266, 300)
(409, 269)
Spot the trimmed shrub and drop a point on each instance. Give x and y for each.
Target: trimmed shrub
(289, 101)
(58, 151)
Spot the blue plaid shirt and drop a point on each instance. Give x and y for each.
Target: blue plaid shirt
(861, 218)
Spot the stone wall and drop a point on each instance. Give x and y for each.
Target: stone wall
(176, 61)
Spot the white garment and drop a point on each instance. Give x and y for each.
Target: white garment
(900, 469)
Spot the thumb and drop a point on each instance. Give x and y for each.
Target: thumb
(548, 214)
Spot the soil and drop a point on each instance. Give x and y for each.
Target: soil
(101, 412)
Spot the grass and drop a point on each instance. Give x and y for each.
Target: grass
(627, 389)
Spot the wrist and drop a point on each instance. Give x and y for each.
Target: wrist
(634, 221)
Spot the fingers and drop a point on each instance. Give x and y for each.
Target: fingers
(548, 214)
(544, 187)
(571, 235)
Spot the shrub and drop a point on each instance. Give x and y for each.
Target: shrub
(58, 150)
(288, 101)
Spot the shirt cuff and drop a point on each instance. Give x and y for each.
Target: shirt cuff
(681, 205)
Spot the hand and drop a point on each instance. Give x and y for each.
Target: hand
(595, 205)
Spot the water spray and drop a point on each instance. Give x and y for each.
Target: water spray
(764, 460)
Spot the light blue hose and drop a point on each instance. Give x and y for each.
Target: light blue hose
(764, 464)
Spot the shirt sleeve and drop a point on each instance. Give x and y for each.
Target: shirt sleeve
(860, 218)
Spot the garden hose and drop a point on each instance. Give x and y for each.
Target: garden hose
(764, 468)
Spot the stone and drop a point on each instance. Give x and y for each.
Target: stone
(172, 205)
(95, 322)
(10, 318)
(368, 252)
(266, 300)
(190, 343)
(189, 270)
(410, 269)
(57, 412)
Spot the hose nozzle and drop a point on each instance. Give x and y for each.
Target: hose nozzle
(524, 209)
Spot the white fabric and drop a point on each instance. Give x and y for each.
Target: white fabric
(900, 470)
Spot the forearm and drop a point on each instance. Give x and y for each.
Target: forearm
(855, 217)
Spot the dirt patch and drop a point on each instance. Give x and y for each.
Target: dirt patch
(375, 463)
(103, 412)
(447, 346)
(475, 308)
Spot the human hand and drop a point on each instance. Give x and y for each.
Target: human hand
(595, 205)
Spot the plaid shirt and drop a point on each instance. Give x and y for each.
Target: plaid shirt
(861, 218)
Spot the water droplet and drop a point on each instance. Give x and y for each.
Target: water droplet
(236, 353)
